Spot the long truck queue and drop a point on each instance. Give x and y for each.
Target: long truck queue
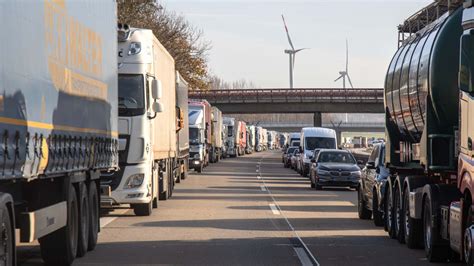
(97, 116)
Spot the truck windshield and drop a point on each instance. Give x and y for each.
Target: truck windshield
(131, 95)
(194, 135)
(230, 131)
(313, 143)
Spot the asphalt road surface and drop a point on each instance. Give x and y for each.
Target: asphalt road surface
(248, 211)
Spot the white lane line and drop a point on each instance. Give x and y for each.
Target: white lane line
(263, 188)
(259, 177)
(104, 221)
(274, 209)
(303, 256)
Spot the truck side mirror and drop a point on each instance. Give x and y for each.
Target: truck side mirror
(157, 107)
(156, 89)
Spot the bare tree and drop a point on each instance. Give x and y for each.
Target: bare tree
(182, 40)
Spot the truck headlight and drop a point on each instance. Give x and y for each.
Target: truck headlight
(135, 48)
(134, 181)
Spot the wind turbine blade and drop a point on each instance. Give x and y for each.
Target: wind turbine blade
(347, 56)
(350, 82)
(339, 78)
(299, 50)
(287, 33)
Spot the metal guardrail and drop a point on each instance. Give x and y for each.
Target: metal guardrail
(325, 95)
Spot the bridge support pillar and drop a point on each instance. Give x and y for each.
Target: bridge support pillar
(318, 120)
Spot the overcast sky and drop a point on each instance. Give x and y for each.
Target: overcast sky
(248, 38)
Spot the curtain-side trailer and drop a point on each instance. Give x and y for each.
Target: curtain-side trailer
(58, 123)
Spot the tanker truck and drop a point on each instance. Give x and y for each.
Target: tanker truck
(428, 93)
(58, 124)
(199, 134)
(216, 135)
(147, 127)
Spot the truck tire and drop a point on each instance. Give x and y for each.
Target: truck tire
(60, 247)
(164, 194)
(376, 213)
(94, 216)
(399, 216)
(363, 211)
(143, 209)
(84, 220)
(434, 251)
(184, 174)
(389, 218)
(199, 168)
(7, 248)
(413, 227)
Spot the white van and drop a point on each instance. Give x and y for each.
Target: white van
(314, 138)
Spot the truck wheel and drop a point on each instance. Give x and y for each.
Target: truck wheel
(178, 176)
(84, 219)
(413, 227)
(184, 174)
(143, 209)
(377, 214)
(7, 250)
(364, 212)
(155, 185)
(468, 239)
(434, 252)
(389, 219)
(164, 193)
(94, 215)
(60, 247)
(199, 168)
(399, 217)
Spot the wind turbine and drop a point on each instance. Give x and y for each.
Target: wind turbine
(291, 52)
(345, 73)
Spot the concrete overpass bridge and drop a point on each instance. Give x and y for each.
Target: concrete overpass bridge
(343, 127)
(316, 101)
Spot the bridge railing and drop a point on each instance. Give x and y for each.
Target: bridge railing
(325, 95)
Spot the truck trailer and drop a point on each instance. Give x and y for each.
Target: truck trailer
(216, 135)
(199, 134)
(250, 147)
(58, 122)
(428, 97)
(147, 127)
(241, 137)
(182, 127)
(232, 139)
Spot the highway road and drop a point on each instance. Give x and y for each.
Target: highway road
(248, 211)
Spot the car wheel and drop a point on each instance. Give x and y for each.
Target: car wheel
(377, 214)
(363, 211)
